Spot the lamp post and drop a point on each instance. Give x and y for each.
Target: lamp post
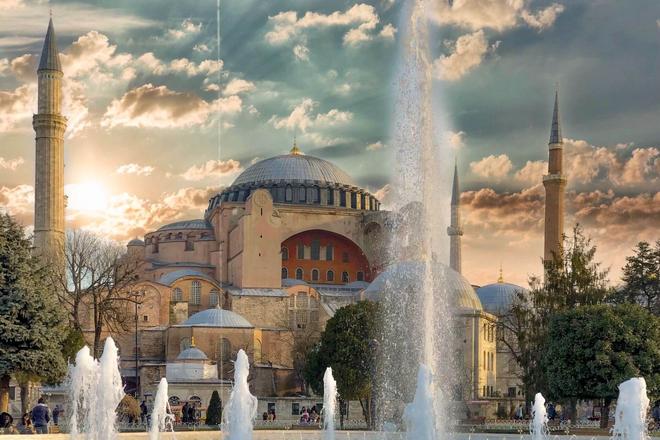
(137, 297)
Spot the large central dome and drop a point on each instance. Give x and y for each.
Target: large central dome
(297, 179)
(294, 168)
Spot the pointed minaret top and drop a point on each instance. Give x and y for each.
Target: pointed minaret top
(50, 57)
(455, 189)
(555, 131)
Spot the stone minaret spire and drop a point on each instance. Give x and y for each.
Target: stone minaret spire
(455, 231)
(555, 185)
(49, 125)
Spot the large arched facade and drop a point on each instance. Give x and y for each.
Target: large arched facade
(322, 257)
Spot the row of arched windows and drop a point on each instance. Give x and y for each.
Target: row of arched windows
(316, 275)
(195, 297)
(315, 252)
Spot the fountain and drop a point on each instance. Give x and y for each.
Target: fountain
(632, 407)
(161, 417)
(96, 390)
(538, 426)
(329, 404)
(418, 425)
(242, 407)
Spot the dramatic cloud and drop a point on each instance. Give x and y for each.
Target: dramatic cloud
(11, 164)
(532, 173)
(188, 27)
(160, 107)
(361, 18)
(236, 86)
(17, 201)
(16, 106)
(133, 168)
(492, 166)
(304, 116)
(24, 67)
(468, 53)
(301, 52)
(499, 15)
(212, 168)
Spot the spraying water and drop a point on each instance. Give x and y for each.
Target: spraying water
(418, 425)
(538, 426)
(329, 404)
(242, 407)
(161, 418)
(631, 409)
(96, 390)
(417, 333)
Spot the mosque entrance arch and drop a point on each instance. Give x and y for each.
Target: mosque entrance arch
(323, 257)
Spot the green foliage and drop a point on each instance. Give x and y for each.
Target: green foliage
(572, 279)
(73, 341)
(641, 277)
(129, 408)
(347, 345)
(214, 411)
(32, 320)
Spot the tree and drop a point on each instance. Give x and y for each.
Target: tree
(96, 285)
(573, 278)
(32, 323)
(641, 277)
(214, 411)
(590, 350)
(346, 345)
(129, 409)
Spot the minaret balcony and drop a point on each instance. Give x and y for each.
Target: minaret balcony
(554, 178)
(453, 230)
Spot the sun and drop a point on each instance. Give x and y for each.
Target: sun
(91, 196)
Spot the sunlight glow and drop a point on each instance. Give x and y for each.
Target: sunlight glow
(91, 196)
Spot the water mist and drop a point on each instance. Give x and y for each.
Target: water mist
(242, 407)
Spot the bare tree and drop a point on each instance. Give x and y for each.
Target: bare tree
(96, 284)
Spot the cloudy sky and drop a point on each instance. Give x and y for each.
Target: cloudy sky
(161, 115)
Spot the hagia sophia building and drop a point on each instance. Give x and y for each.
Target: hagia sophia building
(274, 256)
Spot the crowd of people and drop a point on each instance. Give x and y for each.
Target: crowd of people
(36, 421)
(309, 416)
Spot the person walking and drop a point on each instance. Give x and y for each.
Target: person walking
(143, 411)
(184, 413)
(40, 417)
(56, 414)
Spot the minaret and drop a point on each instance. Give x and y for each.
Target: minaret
(49, 125)
(555, 185)
(455, 231)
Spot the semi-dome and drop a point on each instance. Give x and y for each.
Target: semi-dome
(298, 179)
(497, 298)
(192, 354)
(409, 274)
(187, 224)
(136, 242)
(217, 317)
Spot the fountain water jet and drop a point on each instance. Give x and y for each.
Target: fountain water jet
(96, 390)
(632, 407)
(161, 418)
(242, 407)
(538, 427)
(416, 415)
(329, 404)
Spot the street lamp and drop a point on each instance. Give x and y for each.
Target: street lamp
(137, 297)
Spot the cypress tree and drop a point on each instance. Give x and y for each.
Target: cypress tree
(214, 411)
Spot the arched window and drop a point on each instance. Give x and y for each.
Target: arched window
(184, 344)
(299, 274)
(285, 253)
(224, 350)
(301, 251)
(174, 401)
(360, 276)
(316, 250)
(329, 254)
(195, 293)
(344, 277)
(285, 273)
(190, 244)
(303, 310)
(213, 298)
(315, 275)
(330, 276)
(177, 295)
(289, 194)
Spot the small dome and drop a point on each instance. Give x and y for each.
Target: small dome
(187, 224)
(192, 354)
(135, 242)
(294, 167)
(409, 274)
(497, 298)
(217, 317)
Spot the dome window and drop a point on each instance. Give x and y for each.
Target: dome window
(329, 253)
(285, 273)
(213, 298)
(285, 253)
(195, 293)
(330, 276)
(344, 277)
(315, 275)
(299, 274)
(177, 295)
